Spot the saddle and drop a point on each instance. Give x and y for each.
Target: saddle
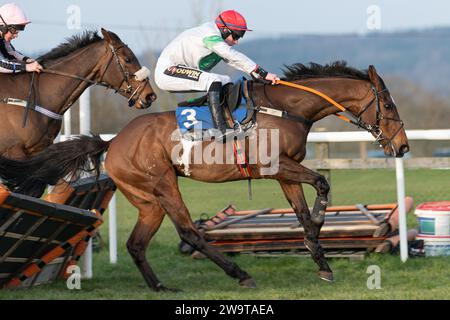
(237, 104)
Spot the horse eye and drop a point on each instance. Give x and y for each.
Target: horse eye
(127, 60)
(388, 105)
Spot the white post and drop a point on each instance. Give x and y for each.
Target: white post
(85, 112)
(112, 230)
(85, 129)
(403, 232)
(86, 272)
(67, 124)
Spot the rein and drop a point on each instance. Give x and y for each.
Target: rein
(356, 120)
(141, 75)
(69, 75)
(125, 74)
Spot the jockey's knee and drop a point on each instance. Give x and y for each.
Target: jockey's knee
(223, 79)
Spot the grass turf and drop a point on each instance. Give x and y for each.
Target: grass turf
(277, 278)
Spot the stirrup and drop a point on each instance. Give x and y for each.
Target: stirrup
(228, 135)
(238, 128)
(234, 133)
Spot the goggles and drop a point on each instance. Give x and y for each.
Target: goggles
(237, 34)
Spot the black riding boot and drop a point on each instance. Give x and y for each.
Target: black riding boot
(216, 109)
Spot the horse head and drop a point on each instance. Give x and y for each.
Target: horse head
(382, 119)
(123, 71)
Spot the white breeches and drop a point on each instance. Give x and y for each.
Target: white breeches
(171, 77)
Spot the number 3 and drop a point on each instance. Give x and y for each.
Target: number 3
(191, 120)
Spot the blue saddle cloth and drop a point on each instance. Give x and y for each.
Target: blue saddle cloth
(199, 117)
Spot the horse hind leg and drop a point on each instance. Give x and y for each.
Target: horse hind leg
(150, 218)
(170, 199)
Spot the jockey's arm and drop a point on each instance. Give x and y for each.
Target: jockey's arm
(16, 54)
(11, 67)
(259, 73)
(23, 62)
(238, 60)
(234, 58)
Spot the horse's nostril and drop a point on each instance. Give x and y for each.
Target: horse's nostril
(404, 149)
(150, 98)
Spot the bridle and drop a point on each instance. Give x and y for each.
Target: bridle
(125, 77)
(375, 129)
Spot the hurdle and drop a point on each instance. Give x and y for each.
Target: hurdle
(37, 238)
(90, 193)
(349, 231)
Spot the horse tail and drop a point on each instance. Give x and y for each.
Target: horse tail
(68, 158)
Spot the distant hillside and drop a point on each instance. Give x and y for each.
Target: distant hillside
(422, 57)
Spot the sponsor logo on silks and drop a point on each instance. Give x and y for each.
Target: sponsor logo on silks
(183, 72)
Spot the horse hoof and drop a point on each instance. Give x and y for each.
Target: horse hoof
(161, 288)
(248, 283)
(326, 275)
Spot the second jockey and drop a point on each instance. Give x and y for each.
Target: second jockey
(12, 21)
(185, 63)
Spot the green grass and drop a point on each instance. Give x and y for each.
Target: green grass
(277, 278)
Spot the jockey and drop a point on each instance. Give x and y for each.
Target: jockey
(13, 20)
(185, 63)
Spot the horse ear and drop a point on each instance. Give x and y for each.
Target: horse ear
(374, 77)
(106, 35)
(372, 73)
(110, 37)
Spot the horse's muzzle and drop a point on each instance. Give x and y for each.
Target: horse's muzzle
(391, 151)
(144, 104)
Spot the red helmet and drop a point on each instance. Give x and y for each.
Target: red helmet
(232, 20)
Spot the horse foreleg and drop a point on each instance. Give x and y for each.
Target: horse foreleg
(170, 198)
(290, 176)
(295, 196)
(291, 171)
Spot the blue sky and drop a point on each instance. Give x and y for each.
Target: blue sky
(151, 24)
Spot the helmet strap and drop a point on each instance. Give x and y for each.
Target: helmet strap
(225, 34)
(11, 28)
(5, 25)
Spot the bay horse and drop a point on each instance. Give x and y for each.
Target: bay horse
(140, 163)
(70, 68)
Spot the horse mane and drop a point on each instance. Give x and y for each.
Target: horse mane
(72, 44)
(299, 71)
